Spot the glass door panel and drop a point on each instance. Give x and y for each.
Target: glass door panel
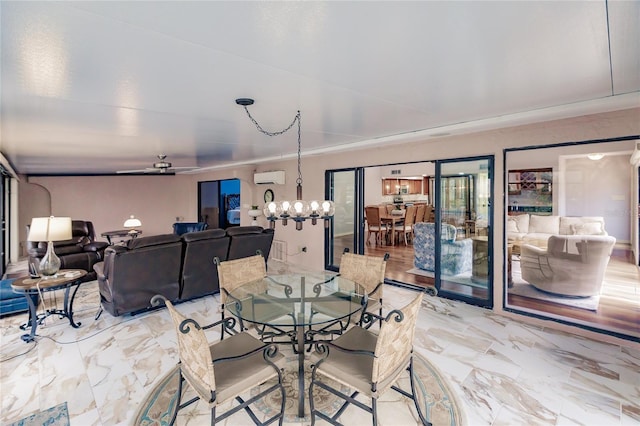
(466, 245)
(346, 228)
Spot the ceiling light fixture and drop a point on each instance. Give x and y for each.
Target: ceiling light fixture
(595, 156)
(298, 210)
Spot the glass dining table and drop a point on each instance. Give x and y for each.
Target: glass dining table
(298, 309)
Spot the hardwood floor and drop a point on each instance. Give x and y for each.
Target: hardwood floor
(618, 310)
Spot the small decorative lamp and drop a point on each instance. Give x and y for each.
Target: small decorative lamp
(132, 223)
(50, 229)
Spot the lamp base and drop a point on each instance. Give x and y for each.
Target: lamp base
(50, 263)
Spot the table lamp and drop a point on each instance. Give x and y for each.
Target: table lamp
(132, 223)
(50, 229)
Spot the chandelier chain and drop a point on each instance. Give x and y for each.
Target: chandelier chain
(266, 132)
(263, 131)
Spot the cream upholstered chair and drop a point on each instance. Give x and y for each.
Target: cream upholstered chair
(368, 363)
(368, 272)
(235, 273)
(561, 271)
(223, 371)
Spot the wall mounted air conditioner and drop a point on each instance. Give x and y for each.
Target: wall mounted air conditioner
(274, 177)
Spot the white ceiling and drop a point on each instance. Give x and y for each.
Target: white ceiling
(96, 87)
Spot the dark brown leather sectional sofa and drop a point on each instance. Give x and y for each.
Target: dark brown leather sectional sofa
(179, 267)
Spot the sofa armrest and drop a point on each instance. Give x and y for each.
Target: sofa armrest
(99, 268)
(95, 246)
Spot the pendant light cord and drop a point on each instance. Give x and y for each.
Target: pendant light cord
(265, 132)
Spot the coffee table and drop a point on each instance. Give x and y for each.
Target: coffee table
(283, 303)
(65, 279)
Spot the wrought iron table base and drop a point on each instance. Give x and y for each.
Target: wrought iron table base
(36, 319)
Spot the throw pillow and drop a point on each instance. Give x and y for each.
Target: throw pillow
(512, 225)
(588, 228)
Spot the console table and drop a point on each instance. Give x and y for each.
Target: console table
(65, 279)
(120, 233)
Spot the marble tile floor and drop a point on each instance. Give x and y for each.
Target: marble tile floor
(503, 372)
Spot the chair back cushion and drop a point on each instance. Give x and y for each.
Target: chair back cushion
(395, 342)
(234, 273)
(196, 363)
(368, 271)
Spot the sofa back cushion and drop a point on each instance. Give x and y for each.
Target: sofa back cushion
(245, 240)
(153, 240)
(199, 273)
(518, 223)
(582, 225)
(544, 224)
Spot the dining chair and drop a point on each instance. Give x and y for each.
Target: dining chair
(366, 271)
(406, 228)
(222, 372)
(368, 363)
(374, 224)
(235, 273)
(420, 211)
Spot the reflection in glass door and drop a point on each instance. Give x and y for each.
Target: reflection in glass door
(463, 205)
(347, 227)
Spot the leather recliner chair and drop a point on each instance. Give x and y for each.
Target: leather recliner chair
(131, 275)
(199, 273)
(82, 251)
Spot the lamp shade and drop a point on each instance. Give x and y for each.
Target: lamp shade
(132, 222)
(50, 229)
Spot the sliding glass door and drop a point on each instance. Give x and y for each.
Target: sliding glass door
(454, 257)
(464, 243)
(346, 229)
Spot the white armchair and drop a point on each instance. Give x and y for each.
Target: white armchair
(558, 270)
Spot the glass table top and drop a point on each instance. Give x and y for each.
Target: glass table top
(296, 299)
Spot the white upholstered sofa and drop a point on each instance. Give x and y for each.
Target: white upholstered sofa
(536, 229)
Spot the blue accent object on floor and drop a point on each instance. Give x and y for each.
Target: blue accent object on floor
(54, 416)
(12, 302)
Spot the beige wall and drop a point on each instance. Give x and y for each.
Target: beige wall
(157, 200)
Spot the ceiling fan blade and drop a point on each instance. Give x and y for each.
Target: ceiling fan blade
(183, 168)
(147, 170)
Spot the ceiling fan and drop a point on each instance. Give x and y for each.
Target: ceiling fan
(160, 167)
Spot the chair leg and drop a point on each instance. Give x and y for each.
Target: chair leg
(374, 412)
(213, 416)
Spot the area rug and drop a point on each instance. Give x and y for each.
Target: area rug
(54, 416)
(434, 394)
(523, 288)
(527, 290)
(464, 279)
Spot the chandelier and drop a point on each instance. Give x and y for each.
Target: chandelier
(297, 210)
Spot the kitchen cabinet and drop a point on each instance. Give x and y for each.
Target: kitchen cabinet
(401, 186)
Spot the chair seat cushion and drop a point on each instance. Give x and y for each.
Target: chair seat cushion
(350, 369)
(235, 377)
